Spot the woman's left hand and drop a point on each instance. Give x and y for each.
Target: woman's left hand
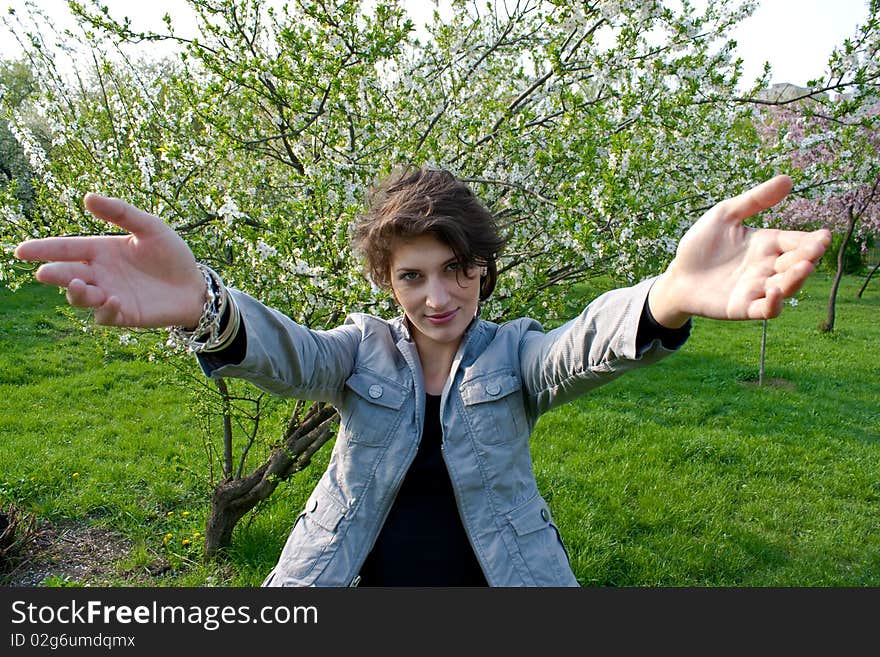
(726, 270)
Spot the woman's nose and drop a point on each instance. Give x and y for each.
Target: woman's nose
(438, 295)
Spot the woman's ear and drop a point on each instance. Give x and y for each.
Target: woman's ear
(484, 272)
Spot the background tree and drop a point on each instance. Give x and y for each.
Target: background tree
(830, 136)
(17, 191)
(596, 132)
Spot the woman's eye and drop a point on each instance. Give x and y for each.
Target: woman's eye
(409, 276)
(453, 266)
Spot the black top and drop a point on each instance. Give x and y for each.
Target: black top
(423, 542)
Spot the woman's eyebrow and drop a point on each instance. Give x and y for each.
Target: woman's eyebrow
(416, 268)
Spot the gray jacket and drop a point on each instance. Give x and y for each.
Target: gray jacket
(502, 379)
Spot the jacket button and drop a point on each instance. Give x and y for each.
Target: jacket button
(375, 391)
(493, 388)
(545, 514)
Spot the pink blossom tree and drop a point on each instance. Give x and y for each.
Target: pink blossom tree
(830, 137)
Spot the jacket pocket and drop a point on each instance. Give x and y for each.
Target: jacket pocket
(540, 543)
(370, 411)
(494, 406)
(311, 543)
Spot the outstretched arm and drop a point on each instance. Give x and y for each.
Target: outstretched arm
(146, 278)
(726, 270)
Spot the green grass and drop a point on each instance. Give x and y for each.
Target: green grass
(93, 433)
(686, 473)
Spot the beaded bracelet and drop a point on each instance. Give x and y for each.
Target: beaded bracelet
(207, 336)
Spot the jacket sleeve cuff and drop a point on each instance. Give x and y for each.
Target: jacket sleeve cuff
(232, 354)
(650, 330)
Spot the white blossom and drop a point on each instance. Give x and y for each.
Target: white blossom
(265, 251)
(127, 339)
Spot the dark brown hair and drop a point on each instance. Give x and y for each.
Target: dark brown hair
(412, 203)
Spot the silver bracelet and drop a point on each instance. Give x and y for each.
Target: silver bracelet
(206, 336)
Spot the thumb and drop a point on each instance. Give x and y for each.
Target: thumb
(123, 214)
(758, 198)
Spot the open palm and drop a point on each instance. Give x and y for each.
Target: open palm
(726, 270)
(146, 278)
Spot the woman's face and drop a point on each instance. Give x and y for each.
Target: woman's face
(438, 295)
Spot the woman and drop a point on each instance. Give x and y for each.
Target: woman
(430, 480)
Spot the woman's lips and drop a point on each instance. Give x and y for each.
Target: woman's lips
(442, 318)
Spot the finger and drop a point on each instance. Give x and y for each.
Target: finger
(817, 240)
(786, 260)
(61, 273)
(110, 314)
(83, 295)
(123, 214)
(69, 249)
(808, 251)
(756, 199)
(792, 280)
(768, 306)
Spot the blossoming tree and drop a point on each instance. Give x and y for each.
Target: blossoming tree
(830, 136)
(596, 132)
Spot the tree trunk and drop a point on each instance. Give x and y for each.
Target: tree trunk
(868, 280)
(227, 428)
(763, 352)
(828, 325)
(234, 497)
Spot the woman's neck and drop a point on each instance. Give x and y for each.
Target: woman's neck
(435, 369)
(435, 358)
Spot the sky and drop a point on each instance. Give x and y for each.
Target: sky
(795, 36)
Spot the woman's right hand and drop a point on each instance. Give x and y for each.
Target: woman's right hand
(147, 278)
